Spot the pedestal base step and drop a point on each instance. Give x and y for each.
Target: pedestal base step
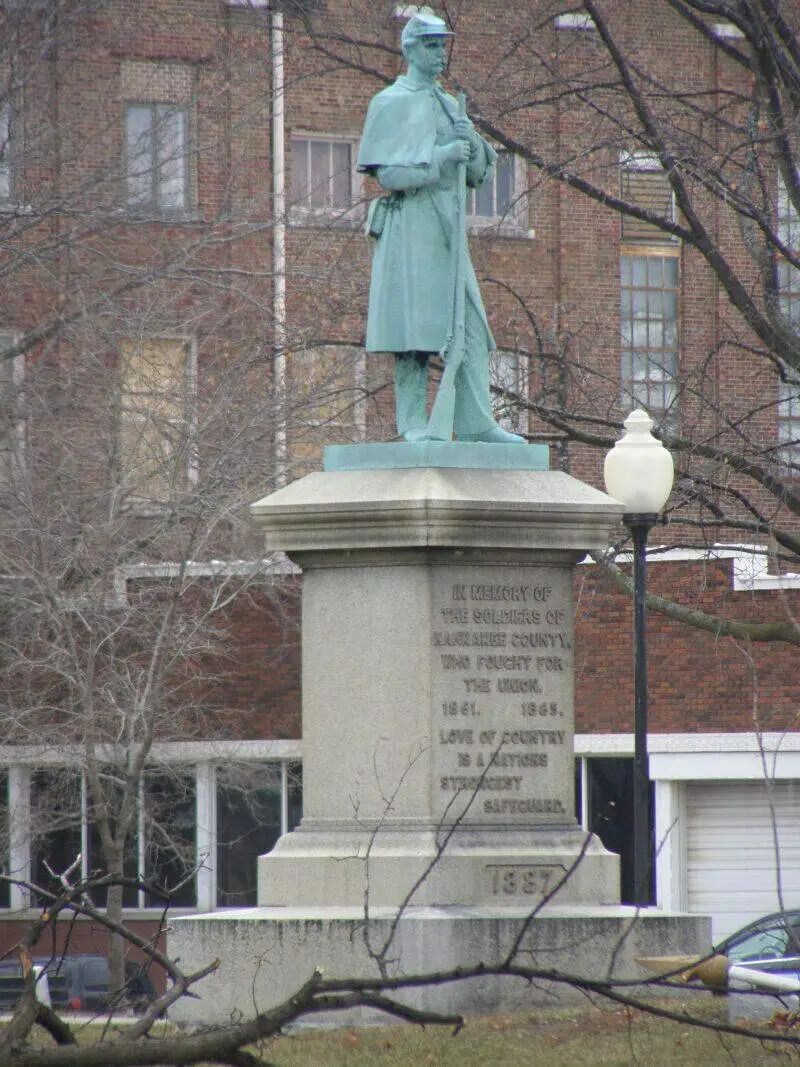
(489, 866)
(268, 953)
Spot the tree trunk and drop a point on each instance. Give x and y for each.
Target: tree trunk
(116, 945)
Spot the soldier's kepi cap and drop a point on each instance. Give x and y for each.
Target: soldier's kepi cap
(424, 24)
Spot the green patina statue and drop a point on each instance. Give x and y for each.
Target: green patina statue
(424, 297)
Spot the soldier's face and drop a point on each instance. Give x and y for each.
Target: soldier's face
(428, 55)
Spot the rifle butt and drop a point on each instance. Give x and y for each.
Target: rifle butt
(440, 422)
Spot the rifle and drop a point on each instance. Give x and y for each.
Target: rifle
(440, 423)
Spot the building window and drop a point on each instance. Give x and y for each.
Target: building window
(507, 382)
(649, 335)
(5, 837)
(501, 202)
(603, 791)
(496, 198)
(156, 158)
(648, 293)
(160, 851)
(250, 804)
(6, 171)
(323, 179)
(156, 412)
(645, 185)
(726, 30)
(168, 832)
(788, 275)
(254, 802)
(329, 387)
(56, 820)
(789, 424)
(575, 20)
(12, 436)
(96, 859)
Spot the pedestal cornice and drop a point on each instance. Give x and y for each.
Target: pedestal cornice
(436, 508)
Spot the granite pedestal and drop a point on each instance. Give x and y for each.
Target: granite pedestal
(437, 643)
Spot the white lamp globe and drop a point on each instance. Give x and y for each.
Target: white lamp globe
(638, 469)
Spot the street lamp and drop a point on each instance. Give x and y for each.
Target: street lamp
(639, 472)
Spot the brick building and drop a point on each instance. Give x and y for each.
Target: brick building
(184, 294)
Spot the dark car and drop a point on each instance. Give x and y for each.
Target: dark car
(79, 983)
(86, 980)
(12, 987)
(770, 944)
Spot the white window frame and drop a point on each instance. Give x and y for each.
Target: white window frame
(188, 418)
(726, 31)
(666, 416)
(353, 416)
(6, 157)
(654, 245)
(788, 426)
(518, 424)
(515, 220)
(646, 162)
(575, 20)
(302, 214)
(788, 276)
(155, 205)
(17, 376)
(405, 11)
(200, 759)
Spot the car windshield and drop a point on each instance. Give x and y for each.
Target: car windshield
(774, 939)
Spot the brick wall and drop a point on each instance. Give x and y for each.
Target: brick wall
(553, 294)
(697, 681)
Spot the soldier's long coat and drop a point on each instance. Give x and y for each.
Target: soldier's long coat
(411, 291)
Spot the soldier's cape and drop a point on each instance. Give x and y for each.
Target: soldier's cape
(400, 128)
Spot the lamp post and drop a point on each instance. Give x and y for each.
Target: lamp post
(639, 472)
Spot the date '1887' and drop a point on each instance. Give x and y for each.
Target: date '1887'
(506, 879)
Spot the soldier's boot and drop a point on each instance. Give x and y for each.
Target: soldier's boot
(496, 435)
(411, 394)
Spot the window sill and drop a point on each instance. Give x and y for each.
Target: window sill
(151, 914)
(161, 218)
(11, 207)
(664, 245)
(499, 227)
(150, 509)
(339, 220)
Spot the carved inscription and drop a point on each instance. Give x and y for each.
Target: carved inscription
(503, 697)
(526, 880)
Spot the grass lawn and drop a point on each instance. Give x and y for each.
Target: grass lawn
(603, 1035)
(600, 1035)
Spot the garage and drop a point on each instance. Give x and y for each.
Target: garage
(742, 840)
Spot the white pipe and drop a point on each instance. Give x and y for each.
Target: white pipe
(206, 835)
(284, 797)
(279, 244)
(19, 822)
(773, 983)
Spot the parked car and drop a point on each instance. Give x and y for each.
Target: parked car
(79, 983)
(12, 986)
(770, 944)
(87, 983)
(769, 948)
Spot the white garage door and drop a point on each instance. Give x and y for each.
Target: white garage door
(738, 853)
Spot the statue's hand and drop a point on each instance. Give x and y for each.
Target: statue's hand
(465, 131)
(455, 151)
